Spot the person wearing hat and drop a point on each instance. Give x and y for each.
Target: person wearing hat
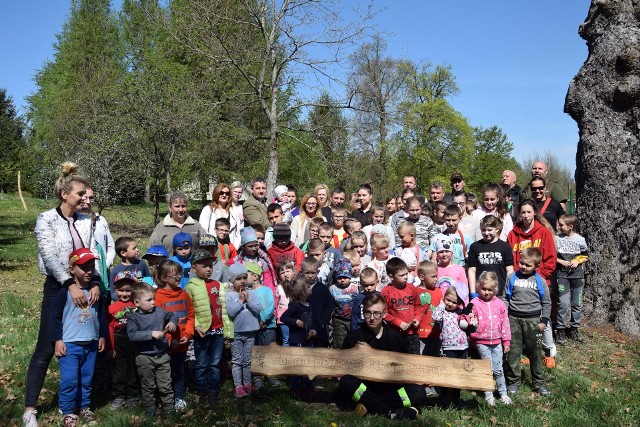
(206, 295)
(250, 252)
(182, 245)
(79, 334)
(283, 249)
(154, 256)
(343, 293)
(457, 187)
(450, 274)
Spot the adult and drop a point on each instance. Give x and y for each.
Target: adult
(255, 208)
(300, 224)
(220, 207)
(410, 182)
(177, 221)
(236, 211)
(391, 205)
(436, 192)
(354, 202)
(59, 232)
(549, 208)
(554, 190)
(457, 187)
(322, 192)
(363, 213)
(104, 241)
(338, 196)
(512, 193)
(469, 224)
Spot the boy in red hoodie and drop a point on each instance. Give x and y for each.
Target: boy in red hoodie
(172, 298)
(283, 249)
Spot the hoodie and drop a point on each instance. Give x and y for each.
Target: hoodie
(290, 253)
(538, 237)
(178, 301)
(493, 322)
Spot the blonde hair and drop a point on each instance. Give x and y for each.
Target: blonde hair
(379, 240)
(351, 255)
(489, 279)
(425, 266)
(68, 178)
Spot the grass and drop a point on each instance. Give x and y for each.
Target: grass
(596, 383)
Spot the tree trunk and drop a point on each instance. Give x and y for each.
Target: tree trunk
(147, 191)
(604, 99)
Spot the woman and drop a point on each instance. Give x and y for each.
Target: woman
(104, 241)
(220, 207)
(237, 224)
(548, 207)
(300, 225)
(59, 232)
(322, 192)
(176, 221)
(390, 203)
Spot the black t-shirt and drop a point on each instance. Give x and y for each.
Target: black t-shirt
(494, 257)
(552, 213)
(389, 341)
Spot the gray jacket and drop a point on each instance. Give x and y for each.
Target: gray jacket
(165, 230)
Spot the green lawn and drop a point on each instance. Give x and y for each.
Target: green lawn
(595, 384)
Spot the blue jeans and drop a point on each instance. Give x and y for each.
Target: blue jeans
(76, 373)
(284, 330)
(207, 369)
(494, 353)
(177, 374)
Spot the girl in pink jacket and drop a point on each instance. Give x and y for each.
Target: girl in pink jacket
(493, 334)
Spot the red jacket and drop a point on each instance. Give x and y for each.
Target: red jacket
(403, 305)
(290, 253)
(117, 318)
(179, 302)
(538, 237)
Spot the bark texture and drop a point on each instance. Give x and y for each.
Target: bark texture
(604, 99)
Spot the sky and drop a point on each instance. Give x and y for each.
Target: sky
(513, 60)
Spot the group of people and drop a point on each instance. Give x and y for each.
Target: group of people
(441, 276)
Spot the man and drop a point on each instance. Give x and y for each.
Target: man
(254, 208)
(513, 193)
(410, 182)
(436, 192)
(338, 196)
(397, 401)
(457, 187)
(554, 190)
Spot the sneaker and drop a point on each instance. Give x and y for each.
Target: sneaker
(409, 413)
(250, 388)
(491, 401)
(553, 351)
(240, 391)
(430, 392)
(360, 410)
(70, 420)
(575, 335)
(513, 388)
(118, 403)
(88, 416)
(180, 405)
(561, 338)
(274, 382)
(543, 391)
(505, 399)
(549, 362)
(133, 402)
(29, 418)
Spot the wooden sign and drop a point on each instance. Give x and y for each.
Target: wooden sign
(368, 363)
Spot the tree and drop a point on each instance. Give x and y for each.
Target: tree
(11, 143)
(492, 155)
(604, 100)
(558, 171)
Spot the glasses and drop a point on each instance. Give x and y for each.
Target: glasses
(375, 314)
(223, 231)
(537, 188)
(339, 217)
(224, 193)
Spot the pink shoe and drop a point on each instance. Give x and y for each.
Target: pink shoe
(240, 391)
(249, 389)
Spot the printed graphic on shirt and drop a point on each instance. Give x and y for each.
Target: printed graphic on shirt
(489, 258)
(526, 244)
(404, 303)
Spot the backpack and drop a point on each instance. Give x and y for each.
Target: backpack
(539, 281)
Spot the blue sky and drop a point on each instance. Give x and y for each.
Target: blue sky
(513, 60)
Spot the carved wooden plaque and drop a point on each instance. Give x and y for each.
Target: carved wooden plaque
(375, 365)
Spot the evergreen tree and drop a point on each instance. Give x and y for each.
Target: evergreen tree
(11, 143)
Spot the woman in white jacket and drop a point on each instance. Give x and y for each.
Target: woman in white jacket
(59, 232)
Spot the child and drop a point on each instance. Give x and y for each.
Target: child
(260, 235)
(146, 328)
(380, 252)
(283, 248)
(171, 297)
(472, 203)
(316, 249)
(331, 254)
(356, 265)
(380, 217)
(299, 318)
(267, 319)
(494, 204)
(209, 243)
(226, 249)
(322, 303)
(461, 242)
(403, 304)
(286, 273)
(527, 298)
(493, 335)
(572, 254)
(368, 282)
(425, 228)
(244, 310)
(489, 254)
(124, 381)
(275, 216)
(205, 294)
(454, 339)
(250, 251)
(450, 274)
(359, 242)
(153, 257)
(182, 244)
(430, 298)
(338, 215)
(78, 334)
(409, 250)
(127, 249)
(343, 293)
(438, 215)
(314, 231)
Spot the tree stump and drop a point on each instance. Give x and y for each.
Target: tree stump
(603, 98)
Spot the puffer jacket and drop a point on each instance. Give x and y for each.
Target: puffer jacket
(55, 242)
(493, 322)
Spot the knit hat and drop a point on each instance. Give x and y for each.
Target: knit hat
(122, 277)
(342, 268)
(254, 267)
(200, 255)
(281, 231)
(80, 256)
(156, 250)
(409, 258)
(182, 239)
(236, 269)
(280, 190)
(443, 243)
(208, 240)
(247, 235)
(379, 228)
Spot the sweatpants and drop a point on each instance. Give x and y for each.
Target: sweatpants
(241, 347)
(380, 398)
(155, 374)
(525, 339)
(570, 296)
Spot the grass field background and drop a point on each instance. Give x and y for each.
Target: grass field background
(596, 383)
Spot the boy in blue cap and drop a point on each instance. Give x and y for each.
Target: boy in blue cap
(182, 244)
